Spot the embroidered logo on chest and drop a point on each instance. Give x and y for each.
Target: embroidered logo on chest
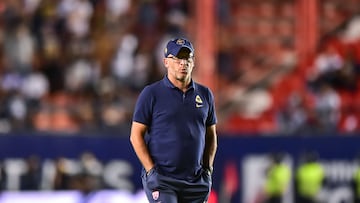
(198, 101)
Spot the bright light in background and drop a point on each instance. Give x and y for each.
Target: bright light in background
(110, 196)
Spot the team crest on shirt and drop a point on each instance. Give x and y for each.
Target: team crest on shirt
(198, 101)
(155, 195)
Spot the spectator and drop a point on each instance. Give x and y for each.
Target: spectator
(293, 117)
(62, 178)
(327, 66)
(31, 180)
(3, 176)
(327, 108)
(72, 46)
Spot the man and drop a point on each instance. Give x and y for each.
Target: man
(278, 179)
(309, 179)
(174, 132)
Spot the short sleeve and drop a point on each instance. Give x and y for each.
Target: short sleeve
(143, 107)
(211, 119)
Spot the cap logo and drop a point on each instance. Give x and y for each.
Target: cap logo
(180, 42)
(166, 50)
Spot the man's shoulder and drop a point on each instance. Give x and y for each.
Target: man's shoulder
(201, 87)
(149, 92)
(153, 86)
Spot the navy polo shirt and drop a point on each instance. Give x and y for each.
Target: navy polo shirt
(177, 124)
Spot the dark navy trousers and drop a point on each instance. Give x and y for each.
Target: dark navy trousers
(165, 189)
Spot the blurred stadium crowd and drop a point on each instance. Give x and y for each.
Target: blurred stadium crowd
(71, 66)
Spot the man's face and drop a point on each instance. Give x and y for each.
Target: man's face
(180, 67)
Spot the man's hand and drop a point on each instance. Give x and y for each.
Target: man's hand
(209, 169)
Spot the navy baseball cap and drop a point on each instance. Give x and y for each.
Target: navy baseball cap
(174, 46)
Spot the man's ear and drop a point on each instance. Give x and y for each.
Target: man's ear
(166, 62)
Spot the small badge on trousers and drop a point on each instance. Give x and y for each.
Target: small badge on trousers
(155, 195)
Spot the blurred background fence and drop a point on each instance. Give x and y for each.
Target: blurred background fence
(94, 165)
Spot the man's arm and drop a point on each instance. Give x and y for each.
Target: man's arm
(138, 131)
(210, 147)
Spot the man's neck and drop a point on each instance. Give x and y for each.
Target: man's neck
(182, 85)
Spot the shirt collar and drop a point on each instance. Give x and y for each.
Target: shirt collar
(168, 83)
